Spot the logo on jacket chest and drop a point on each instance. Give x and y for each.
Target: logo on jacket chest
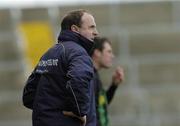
(49, 62)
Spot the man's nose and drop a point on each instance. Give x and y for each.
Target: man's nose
(96, 32)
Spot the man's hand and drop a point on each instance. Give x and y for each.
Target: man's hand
(118, 76)
(71, 114)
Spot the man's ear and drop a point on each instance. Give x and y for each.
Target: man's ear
(97, 53)
(75, 28)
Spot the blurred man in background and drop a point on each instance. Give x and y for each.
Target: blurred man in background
(102, 56)
(62, 80)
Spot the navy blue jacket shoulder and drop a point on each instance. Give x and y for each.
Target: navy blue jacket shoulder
(65, 82)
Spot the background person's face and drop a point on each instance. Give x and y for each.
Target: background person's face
(88, 27)
(106, 56)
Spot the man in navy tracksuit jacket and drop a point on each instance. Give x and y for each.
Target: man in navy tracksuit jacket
(64, 93)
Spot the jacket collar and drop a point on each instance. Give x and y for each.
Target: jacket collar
(67, 35)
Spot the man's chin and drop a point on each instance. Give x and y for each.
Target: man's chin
(92, 39)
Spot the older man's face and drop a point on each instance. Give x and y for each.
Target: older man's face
(88, 27)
